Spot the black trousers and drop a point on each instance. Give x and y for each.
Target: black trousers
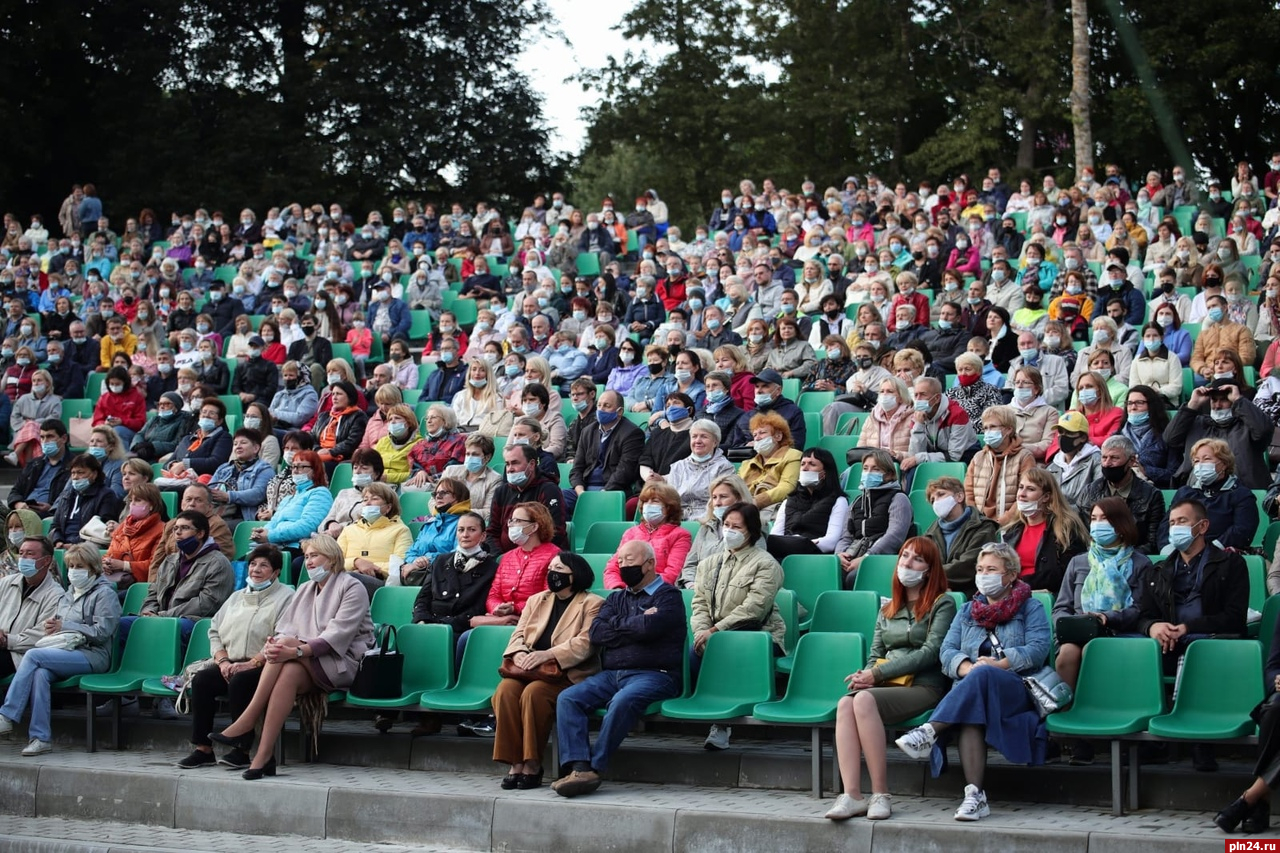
(1268, 767)
(207, 687)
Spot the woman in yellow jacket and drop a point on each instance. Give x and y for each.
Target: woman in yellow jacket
(773, 473)
(394, 447)
(368, 544)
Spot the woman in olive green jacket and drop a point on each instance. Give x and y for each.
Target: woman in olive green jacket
(909, 634)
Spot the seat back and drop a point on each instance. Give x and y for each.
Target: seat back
(809, 576)
(1257, 581)
(415, 504)
(846, 612)
(876, 574)
(428, 656)
(737, 667)
(133, 598)
(152, 647)
(393, 605)
(815, 401)
(927, 472)
(789, 609)
(598, 506)
(822, 662)
(341, 478)
(240, 538)
(198, 645)
(1204, 690)
(1120, 674)
(921, 507)
(603, 537)
(483, 655)
(839, 446)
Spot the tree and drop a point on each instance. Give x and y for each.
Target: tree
(1080, 119)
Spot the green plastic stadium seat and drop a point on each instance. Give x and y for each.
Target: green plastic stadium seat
(152, 651)
(1209, 706)
(415, 504)
(478, 676)
(815, 401)
(393, 605)
(809, 576)
(876, 574)
(840, 612)
(736, 675)
(927, 472)
(817, 680)
(197, 650)
(133, 598)
(341, 478)
(603, 537)
(592, 507)
(240, 538)
(428, 664)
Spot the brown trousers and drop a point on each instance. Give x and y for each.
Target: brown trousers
(524, 712)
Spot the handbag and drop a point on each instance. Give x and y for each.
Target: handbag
(95, 531)
(381, 672)
(61, 640)
(1077, 630)
(549, 672)
(79, 430)
(1049, 693)
(903, 680)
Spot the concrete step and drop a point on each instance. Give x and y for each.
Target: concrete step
(468, 811)
(759, 758)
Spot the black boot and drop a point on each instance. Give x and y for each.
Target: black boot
(1258, 819)
(1229, 818)
(1203, 759)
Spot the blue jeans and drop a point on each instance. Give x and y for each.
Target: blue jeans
(126, 434)
(39, 669)
(627, 693)
(186, 626)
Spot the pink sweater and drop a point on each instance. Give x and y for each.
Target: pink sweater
(671, 544)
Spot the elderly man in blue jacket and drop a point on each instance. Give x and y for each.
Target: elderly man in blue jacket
(388, 316)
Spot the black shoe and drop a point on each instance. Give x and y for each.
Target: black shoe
(269, 769)
(384, 722)
(227, 740)
(510, 781)
(1202, 758)
(1229, 818)
(197, 758)
(529, 781)
(1258, 819)
(1052, 751)
(236, 759)
(1153, 753)
(1081, 753)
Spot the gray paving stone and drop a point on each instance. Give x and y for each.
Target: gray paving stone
(209, 797)
(133, 797)
(548, 822)
(410, 818)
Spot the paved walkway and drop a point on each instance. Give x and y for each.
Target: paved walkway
(362, 807)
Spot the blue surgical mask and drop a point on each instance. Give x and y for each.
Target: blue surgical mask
(474, 464)
(396, 429)
(677, 413)
(1152, 346)
(945, 325)
(1215, 314)
(1204, 472)
(717, 396)
(80, 485)
(1139, 418)
(654, 512)
(993, 437)
(1024, 395)
(920, 405)
(764, 399)
(257, 586)
(301, 482)
(580, 405)
(371, 513)
(605, 418)
(208, 424)
(1103, 533)
(517, 478)
(872, 479)
(28, 567)
(513, 370)
(1181, 536)
(1029, 356)
(49, 448)
(1088, 396)
(98, 452)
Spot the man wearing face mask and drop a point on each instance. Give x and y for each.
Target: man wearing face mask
(1077, 464)
(191, 582)
(523, 484)
(1219, 333)
(388, 316)
(224, 308)
(194, 499)
(27, 598)
(312, 352)
(1218, 410)
(297, 402)
(941, 430)
(640, 632)
(608, 453)
(768, 385)
(44, 478)
(256, 379)
(959, 531)
(1145, 502)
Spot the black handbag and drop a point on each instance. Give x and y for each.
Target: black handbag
(381, 671)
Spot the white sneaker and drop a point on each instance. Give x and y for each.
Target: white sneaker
(878, 808)
(974, 806)
(846, 807)
(37, 747)
(718, 738)
(6, 726)
(918, 742)
(164, 710)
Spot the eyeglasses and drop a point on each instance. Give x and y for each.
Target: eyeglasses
(521, 521)
(444, 494)
(297, 468)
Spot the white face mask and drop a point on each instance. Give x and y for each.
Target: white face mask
(810, 478)
(989, 584)
(733, 539)
(943, 506)
(910, 578)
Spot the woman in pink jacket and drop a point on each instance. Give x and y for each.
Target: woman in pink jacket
(660, 516)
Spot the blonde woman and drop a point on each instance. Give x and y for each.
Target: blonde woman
(479, 397)
(773, 473)
(726, 490)
(396, 446)
(991, 480)
(367, 545)
(888, 427)
(1186, 263)
(1045, 531)
(384, 398)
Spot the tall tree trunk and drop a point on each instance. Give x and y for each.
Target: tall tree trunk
(1080, 118)
(1030, 125)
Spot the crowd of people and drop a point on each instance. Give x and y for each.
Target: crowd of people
(1085, 350)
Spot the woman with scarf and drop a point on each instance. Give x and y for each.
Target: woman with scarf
(811, 520)
(991, 480)
(1144, 424)
(997, 638)
(1232, 509)
(339, 430)
(451, 500)
(1103, 585)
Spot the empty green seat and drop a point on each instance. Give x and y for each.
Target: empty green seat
(240, 538)
(815, 401)
(603, 537)
(133, 598)
(414, 505)
(393, 605)
(478, 676)
(736, 675)
(152, 651)
(1221, 683)
(876, 573)
(197, 650)
(808, 576)
(927, 472)
(592, 507)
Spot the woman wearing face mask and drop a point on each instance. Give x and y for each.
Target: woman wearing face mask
(692, 476)
(1046, 533)
(474, 472)
(888, 427)
(399, 443)
(29, 410)
(537, 403)
(1267, 329)
(338, 431)
(478, 397)
(1034, 416)
(991, 479)
(1214, 482)
(318, 642)
(337, 370)
(1093, 400)
(879, 517)
(122, 407)
(834, 371)
(552, 630)
(1103, 363)
(1000, 636)
(238, 343)
(105, 446)
(1156, 366)
(603, 360)
(84, 496)
(450, 501)
(456, 580)
(20, 525)
(299, 515)
(1145, 422)
(135, 538)
(239, 631)
(726, 490)
(910, 629)
(90, 609)
(774, 471)
(812, 519)
(366, 469)
(281, 485)
(758, 345)
(659, 525)
(972, 393)
(669, 439)
(164, 428)
(369, 544)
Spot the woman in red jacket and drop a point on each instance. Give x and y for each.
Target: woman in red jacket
(660, 517)
(121, 406)
(732, 360)
(17, 377)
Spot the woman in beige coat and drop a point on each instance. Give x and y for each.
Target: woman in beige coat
(1034, 417)
(554, 628)
(317, 647)
(991, 480)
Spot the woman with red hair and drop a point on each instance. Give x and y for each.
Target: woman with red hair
(904, 680)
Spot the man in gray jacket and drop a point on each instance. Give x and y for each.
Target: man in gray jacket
(27, 599)
(940, 430)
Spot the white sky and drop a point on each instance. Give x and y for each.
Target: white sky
(548, 62)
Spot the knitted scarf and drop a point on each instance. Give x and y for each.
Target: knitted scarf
(987, 615)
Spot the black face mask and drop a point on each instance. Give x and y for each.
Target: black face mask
(657, 369)
(863, 362)
(308, 330)
(1071, 442)
(631, 575)
(290, 384)
(1166, 287)
(557, 581)
(1114, 475)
